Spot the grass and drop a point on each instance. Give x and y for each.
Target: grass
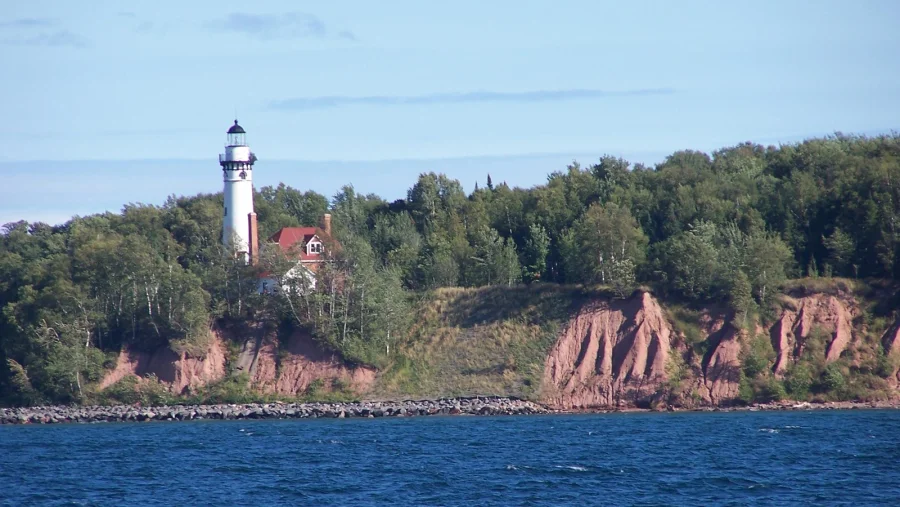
(485, 341)
(833, 286)
(686, 323)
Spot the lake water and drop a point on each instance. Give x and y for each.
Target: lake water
(740, 458)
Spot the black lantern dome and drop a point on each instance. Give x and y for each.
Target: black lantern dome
(236, 129)
(236, 135)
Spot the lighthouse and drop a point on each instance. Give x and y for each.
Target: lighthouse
(239, 231)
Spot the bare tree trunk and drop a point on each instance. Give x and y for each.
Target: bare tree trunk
(362, 308)
(346, 316)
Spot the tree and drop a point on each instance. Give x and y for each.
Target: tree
(397, 242)
(840, 250)
(767, 261)
(537, 247)
(433, 198)
(689, 261)
(605, 246)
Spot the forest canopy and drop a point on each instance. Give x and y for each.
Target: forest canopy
(730, 226)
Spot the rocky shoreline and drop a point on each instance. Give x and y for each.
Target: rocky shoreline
(775, 406)
(370, 409)
(482, 405)
(806, 405)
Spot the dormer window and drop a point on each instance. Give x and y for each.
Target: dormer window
(315, 248)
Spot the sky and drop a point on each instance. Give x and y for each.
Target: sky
(107, 103)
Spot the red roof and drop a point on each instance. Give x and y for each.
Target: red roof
(289, 237)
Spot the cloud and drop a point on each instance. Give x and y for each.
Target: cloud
(307, 103)
(58, 38)
(145, 26)
(26, 23)
(347, 35)
(40, 32)
(291, 25)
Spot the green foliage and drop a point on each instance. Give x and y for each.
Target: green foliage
(483, 341)
(734, 225)
(131, 390)
(798, 381)
(314, 389)
(840, 250)
(537, 248)
(605, 246)
(741, 300)
(757, 357)
(21, 390)
(676, 371)
(686, 322)
(359, 307)
(746, 391)
(234, 388)
(833, 379)
(771, 390)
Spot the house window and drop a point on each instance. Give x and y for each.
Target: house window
(315, 248)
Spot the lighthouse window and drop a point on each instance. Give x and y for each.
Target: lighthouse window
(226, 211)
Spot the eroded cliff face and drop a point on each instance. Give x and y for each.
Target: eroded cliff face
(182, 372)
(623, 353)
(718, 373)
(829, 316)
(287, 370)
(609, 354)
(300, 363)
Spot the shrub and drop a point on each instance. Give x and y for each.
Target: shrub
(771, 390)
(152, 391)
(124, 392)
(745, 389)
(886, 364)
(757, 357)
(231, 389)
(798, 381)
(314, 388)
(833, 378)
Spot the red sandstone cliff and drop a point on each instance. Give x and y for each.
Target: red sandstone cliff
(802, 317)
(622, 353)
(182, 372)
(718, 379)
(300, 363)
(610, 353)
(289, 372)
(616, 353)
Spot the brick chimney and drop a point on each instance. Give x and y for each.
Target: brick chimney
(326, 223)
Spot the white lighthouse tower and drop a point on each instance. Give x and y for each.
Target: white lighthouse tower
(239, 232)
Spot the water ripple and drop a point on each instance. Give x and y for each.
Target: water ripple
(613, 459)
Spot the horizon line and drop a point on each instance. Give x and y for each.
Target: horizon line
(782, 140)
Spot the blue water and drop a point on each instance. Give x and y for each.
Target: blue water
(787, 458)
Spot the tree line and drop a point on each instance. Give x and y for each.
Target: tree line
(728, 226)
